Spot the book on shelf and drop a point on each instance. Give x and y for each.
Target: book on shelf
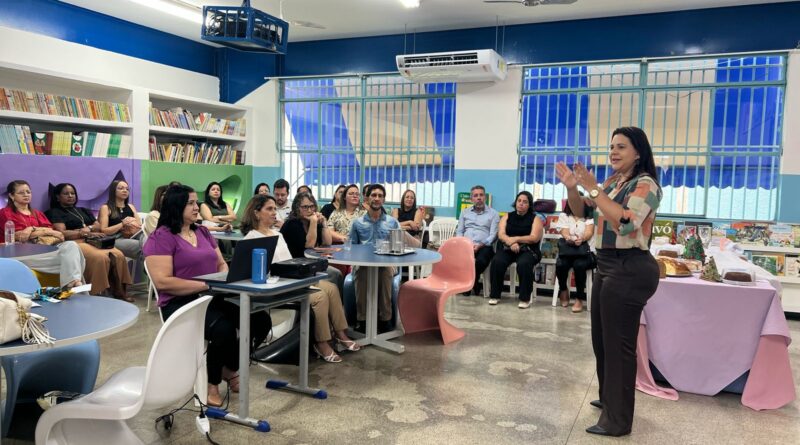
(55, 105)
(19, 139)
(551, 224)
(772, 263)
(195, 153)
(781, 235)
(663, 228)
(792, 266)
(181, 118)
(751, 233)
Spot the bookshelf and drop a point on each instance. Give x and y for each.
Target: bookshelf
(790, 278)
(192, 130)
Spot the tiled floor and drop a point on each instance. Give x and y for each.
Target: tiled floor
(518, 377)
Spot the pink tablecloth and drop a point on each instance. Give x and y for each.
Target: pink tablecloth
(702, 336)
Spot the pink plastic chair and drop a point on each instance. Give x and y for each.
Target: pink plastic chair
(421, 302)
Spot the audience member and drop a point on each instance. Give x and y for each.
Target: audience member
(574, 252)
(479, 222)
(31, 226)
(371, 227)
(408, 214)
(105, 268)
(258, 220)
(348, 210)
(215, 211)
(304, 189)
(327, 209)
(281, 192)
(519, 232)
(119, 218)
(179, 250)
(627, 275)
(151, 220)
(261, 189)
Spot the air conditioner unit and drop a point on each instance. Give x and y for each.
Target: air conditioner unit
(483, 65)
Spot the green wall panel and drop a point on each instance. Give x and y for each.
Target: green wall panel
(236, 180)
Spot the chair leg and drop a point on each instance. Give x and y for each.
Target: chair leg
(487, 286)
(589, 280)
(512, 279)
(555, 293)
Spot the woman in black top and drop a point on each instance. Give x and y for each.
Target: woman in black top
(118, 214)
(519, 234)
(105, 268)
(408, 214)
(305, 229)
(329, 208)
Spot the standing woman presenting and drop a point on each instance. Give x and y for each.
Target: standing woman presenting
(627, 275)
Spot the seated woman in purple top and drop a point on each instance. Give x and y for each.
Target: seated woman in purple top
(179, 250)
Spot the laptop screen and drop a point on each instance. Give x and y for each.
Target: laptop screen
(241, 265)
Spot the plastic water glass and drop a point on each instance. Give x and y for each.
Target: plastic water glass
(383, 246)
(347, 244)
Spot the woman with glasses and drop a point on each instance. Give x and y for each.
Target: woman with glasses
(349, 209)
(118, 217)
(31, 226)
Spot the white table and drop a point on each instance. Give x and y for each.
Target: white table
(364, 255)
(99, 317)
(25, 251)
(285, 291)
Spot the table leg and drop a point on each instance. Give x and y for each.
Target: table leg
(244, 354)
(372, 337)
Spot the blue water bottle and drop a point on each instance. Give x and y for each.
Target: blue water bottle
(259, 269)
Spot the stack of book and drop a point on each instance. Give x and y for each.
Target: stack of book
(51, 104)
(195, 153)
(20, 139)
(182, 118)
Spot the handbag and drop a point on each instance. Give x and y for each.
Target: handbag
(46, 240)
(567, 249)
(17, 321)
(101, 242)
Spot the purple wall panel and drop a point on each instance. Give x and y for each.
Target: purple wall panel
(91, 177)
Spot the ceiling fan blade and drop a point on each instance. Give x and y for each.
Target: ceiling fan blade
(505, 1)
(305, 24)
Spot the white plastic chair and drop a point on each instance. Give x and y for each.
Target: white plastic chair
(99, 417)
(589, 279)
(440, 230)
(152, 292)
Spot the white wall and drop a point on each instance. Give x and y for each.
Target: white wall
(487, 123)
(790, 161)
(263, 125)
(26, 48)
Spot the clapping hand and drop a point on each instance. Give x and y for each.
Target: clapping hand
(566, 176)
(584, 176)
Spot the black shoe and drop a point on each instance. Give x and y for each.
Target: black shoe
(600, 431)
(384, 326)
(477, 290)
(596, 404)
(361, 326)
(467, 293)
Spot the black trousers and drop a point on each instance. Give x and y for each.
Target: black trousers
(483, 257)
(625, 279)
(525, 260)
(578, 263)
(221, 326)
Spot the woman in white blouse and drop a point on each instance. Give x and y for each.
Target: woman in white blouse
(258, 220)
(577, 232)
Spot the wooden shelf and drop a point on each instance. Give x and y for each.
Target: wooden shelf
(771, 249)
(789, 280)
(195, 134)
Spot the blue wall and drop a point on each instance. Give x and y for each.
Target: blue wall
(720, 30)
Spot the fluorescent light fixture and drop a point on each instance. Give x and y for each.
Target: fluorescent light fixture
(175, 9)
(410, 3)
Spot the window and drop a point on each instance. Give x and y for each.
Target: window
(369, 129)
(714, 125)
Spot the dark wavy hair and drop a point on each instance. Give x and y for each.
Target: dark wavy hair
(175, 200)
(11, 188)
(256, 203)
(645, 164)
(343, 198)
(255, 192)
(528, 195)
(113, 211)
(158, 197)
(295, 213)
(372, 187)
(209, 202)
(300, 189)
(54, 204)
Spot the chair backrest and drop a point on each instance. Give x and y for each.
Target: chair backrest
(142, 216)
(176, 356)
(15, 276)
(458, 261)
(442, 229)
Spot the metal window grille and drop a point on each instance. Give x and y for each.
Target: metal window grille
(369, 129)
(714, 124)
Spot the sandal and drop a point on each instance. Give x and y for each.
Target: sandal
(333, 357)
(233, 383)
(349, 345)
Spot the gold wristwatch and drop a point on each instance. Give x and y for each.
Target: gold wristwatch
(594, 192)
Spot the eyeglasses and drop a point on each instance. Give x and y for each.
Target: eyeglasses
(309, 207)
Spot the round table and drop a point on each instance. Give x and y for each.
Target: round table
(364, 255)
(228, 236)
(25, 251)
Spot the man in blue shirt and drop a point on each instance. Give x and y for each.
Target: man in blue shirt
(479, 223)
(374, 225)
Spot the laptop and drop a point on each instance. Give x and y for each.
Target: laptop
(241, 265)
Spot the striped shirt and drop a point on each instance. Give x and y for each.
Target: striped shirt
(640, 198)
